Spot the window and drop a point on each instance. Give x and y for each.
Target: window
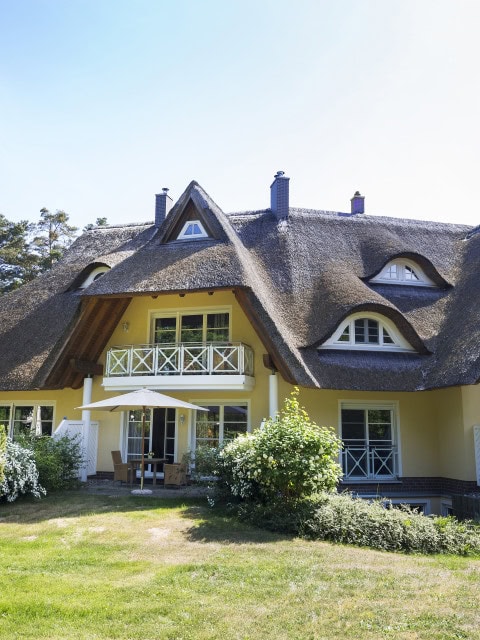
(192, 230)
(192, 327)
(403, 271)
(94, 275)
(369, 438)
(24, 419)
(159, 433)
(222, 423)
(367, 331)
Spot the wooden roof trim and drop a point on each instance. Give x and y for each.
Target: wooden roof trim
(96, 323)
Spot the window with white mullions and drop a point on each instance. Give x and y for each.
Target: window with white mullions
(192, 230)
(27, 419)
(367, 331)
(192, 328)
(403, 271)
(220, 424)
(368, 435)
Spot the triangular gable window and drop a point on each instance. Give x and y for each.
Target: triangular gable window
(192, 230)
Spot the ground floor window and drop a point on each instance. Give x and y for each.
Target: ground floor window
(369, 438)
(25, 418)
(220, 424)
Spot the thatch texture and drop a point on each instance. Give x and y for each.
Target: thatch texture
(297, 279)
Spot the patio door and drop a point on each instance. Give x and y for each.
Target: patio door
(159, 433)
(368, 435)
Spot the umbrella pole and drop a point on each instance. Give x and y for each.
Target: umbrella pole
(142, 472)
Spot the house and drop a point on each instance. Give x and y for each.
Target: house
(374, 318)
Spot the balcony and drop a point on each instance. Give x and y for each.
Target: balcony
(180, 366)
(369, 462)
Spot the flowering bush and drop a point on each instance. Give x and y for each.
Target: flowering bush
(20, 473)
(3, 451)
(289, 458)
(58, 460)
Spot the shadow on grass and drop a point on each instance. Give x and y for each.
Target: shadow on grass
(73, 504)
(216, 525)
(209, 525)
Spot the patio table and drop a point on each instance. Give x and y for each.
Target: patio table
(153, 461)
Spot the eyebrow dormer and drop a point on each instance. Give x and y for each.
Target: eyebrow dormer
(403, 271)
(367, 331)
(95, 274)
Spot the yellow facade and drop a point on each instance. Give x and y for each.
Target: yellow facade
(435, 428)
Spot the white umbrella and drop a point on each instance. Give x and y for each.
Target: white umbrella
(144, 399)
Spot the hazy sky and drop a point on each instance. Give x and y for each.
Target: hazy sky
(104, 102)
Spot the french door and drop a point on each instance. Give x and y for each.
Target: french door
(368, 435)
(159, 433)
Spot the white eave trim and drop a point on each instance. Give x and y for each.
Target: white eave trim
(181, 383)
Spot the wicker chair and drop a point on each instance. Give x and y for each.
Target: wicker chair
(122, 470)
(175, 474)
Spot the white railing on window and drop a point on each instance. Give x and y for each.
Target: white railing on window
(187, 358)
(372, 462)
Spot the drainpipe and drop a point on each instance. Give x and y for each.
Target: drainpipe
(87, 399)
(273, 394)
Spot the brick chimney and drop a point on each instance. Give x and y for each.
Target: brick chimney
(163, 204)
(279, 196)
(357, 203)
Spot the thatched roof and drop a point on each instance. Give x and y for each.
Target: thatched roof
(296, 278)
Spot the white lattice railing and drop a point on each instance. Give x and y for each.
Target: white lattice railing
(373, 462)
(206, 358)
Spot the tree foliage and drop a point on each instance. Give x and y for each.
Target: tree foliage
(17, 262)
(54, 235)
(27, 249)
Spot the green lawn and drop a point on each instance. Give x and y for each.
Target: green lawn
(88, 566)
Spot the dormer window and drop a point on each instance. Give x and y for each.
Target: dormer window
(403, 271)
(192, 230)
(95, 274)
(367, 332)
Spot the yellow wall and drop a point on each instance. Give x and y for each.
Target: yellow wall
(435, 427)
(415, 414)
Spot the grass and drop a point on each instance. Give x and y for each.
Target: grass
(87, 566)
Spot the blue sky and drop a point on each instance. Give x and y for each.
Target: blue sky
(104, 102)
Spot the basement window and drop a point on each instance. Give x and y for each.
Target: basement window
(192, 230)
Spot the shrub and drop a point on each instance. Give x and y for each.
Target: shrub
(379, 525)
(3, 452)
(204, 462)
(289, 458)
(20, 473)
(58, 460)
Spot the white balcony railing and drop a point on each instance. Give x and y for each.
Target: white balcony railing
(178, 359)
(370, 462)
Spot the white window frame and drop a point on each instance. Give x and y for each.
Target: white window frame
(373, 404)
(195, 236)
(124, 439)
(401, 279)
(221, 403)
(334, 342)
(188, 311)
(94, 275)
(36, 405)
